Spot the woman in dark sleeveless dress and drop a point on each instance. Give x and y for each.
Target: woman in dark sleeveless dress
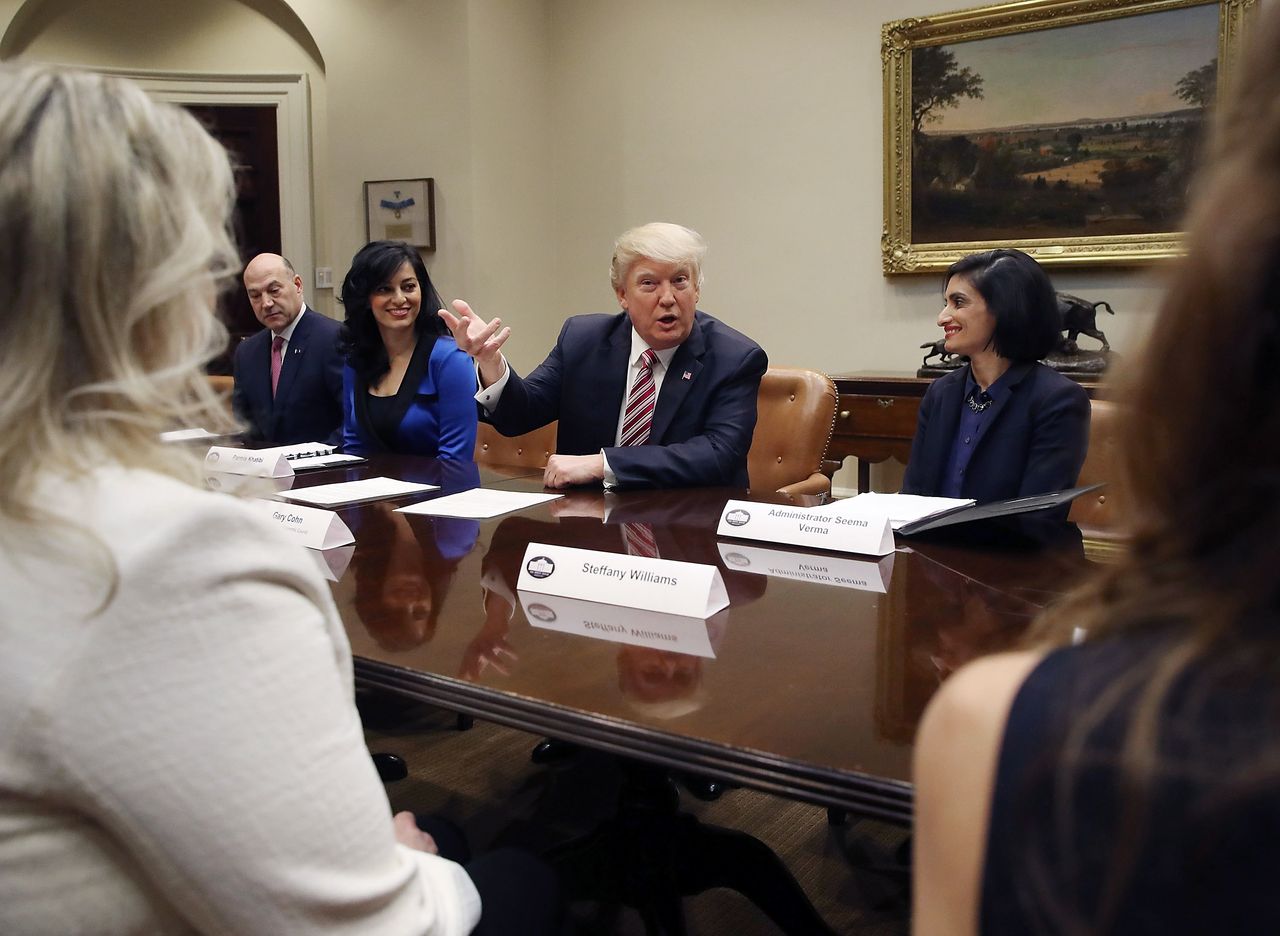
(1130, 783)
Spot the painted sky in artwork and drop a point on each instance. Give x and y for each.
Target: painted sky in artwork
(1116, 68)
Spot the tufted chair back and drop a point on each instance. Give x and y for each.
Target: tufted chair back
(796, 414)
(530, 450)
(1099, 513)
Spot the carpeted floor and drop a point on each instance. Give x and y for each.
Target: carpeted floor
(483, 780)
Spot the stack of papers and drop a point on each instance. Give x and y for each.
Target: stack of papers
(355, 492)
(478, 504)
(314, 455)
(901, 509)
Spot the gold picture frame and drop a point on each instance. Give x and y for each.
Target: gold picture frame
(1069, 200)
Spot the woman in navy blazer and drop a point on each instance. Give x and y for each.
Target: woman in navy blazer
(406, 388)
(1003, 425)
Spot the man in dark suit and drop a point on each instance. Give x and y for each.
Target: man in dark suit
(660, 395)
(288, 377)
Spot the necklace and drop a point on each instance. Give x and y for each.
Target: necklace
(978, 401)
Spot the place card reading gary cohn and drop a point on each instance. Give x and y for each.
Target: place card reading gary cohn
(686, 588)
(867, 535)
(308, 526)
(261, 463)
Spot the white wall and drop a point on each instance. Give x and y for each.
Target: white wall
(552, 125)
(759, 124)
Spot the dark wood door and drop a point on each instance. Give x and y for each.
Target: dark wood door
(249, 134)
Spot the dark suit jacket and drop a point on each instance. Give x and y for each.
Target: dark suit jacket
(1036, 442)
(308, 403)
(703, 421)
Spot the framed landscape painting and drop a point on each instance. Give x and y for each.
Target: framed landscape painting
(1067, 128)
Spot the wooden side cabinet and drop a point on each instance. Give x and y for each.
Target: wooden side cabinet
(875, 420)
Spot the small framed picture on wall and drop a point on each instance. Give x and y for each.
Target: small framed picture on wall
(403, 210)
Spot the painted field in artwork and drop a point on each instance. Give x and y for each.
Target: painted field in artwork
(1066, 132)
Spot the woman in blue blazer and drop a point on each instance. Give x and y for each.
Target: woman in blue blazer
(407, 387)
(1003, 425)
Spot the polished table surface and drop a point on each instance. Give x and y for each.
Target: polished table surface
(813, 691)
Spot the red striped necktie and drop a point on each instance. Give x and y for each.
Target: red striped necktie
(637, 419)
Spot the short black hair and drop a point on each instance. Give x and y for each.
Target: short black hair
(1020, 296)
(374, 264)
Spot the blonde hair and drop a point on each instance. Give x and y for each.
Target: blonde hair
(661, 241)
(113, 245)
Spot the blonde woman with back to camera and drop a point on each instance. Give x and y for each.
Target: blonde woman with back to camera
(179, 747)
(1130, 784)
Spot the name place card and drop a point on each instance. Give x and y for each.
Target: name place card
(333, 562)
(261, 463)
(634, 626)
(859, 574)
(685, 588)
(309, 526)
(798, 526)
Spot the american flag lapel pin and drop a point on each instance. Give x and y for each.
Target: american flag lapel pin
(688, 375)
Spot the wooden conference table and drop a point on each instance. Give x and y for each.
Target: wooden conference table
(800, 688)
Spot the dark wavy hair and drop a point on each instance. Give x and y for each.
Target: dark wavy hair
(372, 266)
(1020, 296)
(1200, 463)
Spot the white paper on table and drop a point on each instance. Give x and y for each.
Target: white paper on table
(186, 435)
(324, 461)
(478, 504)
(901, 509)
(349, 492)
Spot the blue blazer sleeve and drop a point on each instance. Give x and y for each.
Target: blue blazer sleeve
(454, 377)
(441, 420)
(353, 442)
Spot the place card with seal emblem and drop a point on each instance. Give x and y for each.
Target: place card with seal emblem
(858, 574)
(665, 585)
(261, 463)
(867, 535)
(639, 627)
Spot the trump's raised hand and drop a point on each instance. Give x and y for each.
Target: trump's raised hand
(480, 339)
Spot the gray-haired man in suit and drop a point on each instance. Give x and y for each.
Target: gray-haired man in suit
(288, 377)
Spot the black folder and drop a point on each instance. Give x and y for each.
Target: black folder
(1003, 508)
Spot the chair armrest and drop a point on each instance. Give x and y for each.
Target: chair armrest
(817, 484)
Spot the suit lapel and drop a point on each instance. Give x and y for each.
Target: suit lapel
(676, 386)
(998, 407)
(946, 416)
(616, 351)
(258, 370)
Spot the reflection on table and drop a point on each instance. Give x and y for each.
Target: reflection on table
(812, 690)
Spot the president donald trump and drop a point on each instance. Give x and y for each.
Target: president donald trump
(658, 395)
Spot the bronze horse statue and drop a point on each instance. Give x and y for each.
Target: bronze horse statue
(1080, 317)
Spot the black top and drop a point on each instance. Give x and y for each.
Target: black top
(1202, 853)
(384, 416)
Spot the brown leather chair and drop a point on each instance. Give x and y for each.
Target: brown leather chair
(222, 386)
(796, 414)
(1099, 513)
(530, 450)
